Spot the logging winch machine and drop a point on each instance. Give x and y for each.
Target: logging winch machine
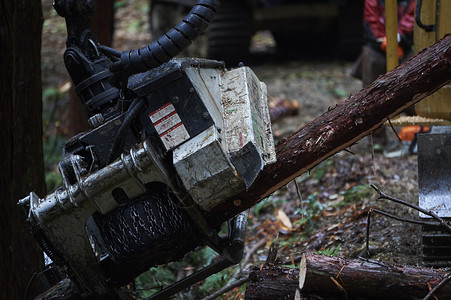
(170, 139)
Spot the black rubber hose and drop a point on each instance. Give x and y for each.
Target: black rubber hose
(427, 28)
(166, 47)
(133, 110)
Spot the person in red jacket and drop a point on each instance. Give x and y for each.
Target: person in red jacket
(373, 57)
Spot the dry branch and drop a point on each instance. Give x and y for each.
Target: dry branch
(352, 278)
(346, 123)
(445, 224)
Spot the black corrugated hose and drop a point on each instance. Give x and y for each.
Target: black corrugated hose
(166, 47)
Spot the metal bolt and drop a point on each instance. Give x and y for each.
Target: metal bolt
(206, 115)
(96, 120)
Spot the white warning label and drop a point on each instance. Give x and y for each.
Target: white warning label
(169, 126)
(161, 112)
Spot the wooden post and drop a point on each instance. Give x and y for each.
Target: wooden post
(391, 33)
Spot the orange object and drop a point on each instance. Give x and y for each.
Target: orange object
(407, 134)
(384, 47)
(400, 52)
(384, 44)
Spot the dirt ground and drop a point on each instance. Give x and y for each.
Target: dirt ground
(328, 211)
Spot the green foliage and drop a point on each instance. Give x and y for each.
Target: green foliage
(267, 204)
(143, 7)
(53, 146)
(333, 251)
(52, 142)
(50, 96)
(356, 193)
(119, 3)
(135, 25)
(150, 282)
(305, 75)
(311, 207)
(320, 170)
(258, 208)
(52, 181)
(290, 266)
(154, 279)
(340, 93)
(212, 284)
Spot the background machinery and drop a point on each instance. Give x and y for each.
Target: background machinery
(332, 27)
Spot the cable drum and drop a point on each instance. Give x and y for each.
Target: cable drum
(150, 231)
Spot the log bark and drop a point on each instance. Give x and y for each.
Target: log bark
(346, 123)
(339, 278)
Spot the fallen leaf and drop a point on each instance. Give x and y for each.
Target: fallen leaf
(282, 217)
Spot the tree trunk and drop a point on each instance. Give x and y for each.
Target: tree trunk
(346, 123)
(22, 167)
(338, 278)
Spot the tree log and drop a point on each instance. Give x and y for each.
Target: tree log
(339, 278)
(282, 108)
(346, 123)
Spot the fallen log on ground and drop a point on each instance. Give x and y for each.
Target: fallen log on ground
(280, 108)
(335, 277)
(346, 123)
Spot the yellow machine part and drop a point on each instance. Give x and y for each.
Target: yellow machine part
(438, 13)
(391, 32)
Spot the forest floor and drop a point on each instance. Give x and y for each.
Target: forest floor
(327, 213)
